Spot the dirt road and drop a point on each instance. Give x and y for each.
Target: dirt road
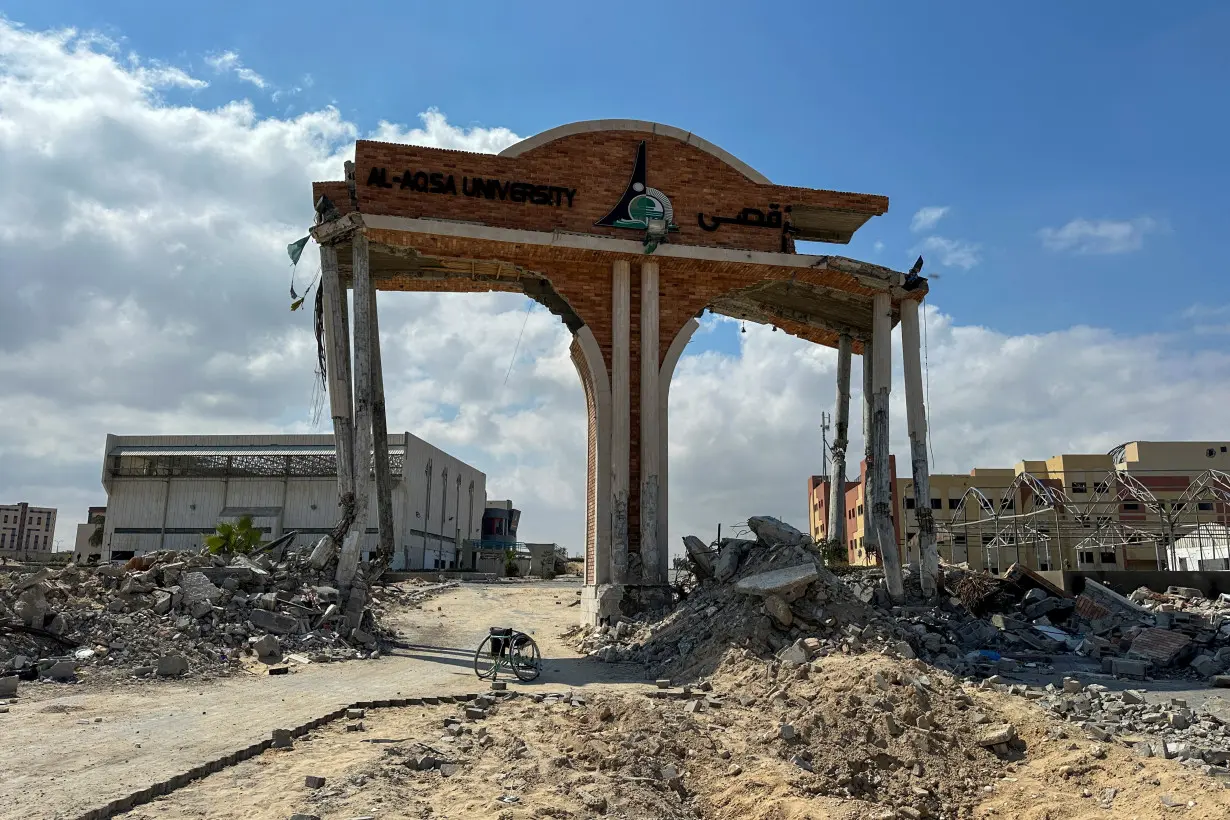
(68, 748)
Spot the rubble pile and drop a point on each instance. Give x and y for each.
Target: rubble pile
(1171, 730)
(893, 736)
(768, 595)
(168, 613)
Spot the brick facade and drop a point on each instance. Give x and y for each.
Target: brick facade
(592, 168)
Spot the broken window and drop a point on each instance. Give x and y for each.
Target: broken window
(1100, 487)
(959, 539)
(1204, 505)
(954, 503)
(1007, 504)
(909, 502)
(1131, 506)
(986, 540)
(937, 504)
(1108, 558)
(1078, 486)
(1087, 557)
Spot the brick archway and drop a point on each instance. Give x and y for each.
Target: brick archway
(627, 231)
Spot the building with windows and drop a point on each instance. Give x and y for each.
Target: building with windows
(168, 492)
(1136, 507)
(26, 532)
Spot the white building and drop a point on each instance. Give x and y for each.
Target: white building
(1207, 547)
(169, 492)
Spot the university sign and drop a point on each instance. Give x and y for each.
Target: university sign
(575, 184)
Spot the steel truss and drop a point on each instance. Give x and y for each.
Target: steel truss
(1033, 513)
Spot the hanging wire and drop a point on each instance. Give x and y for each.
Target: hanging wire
(517, 346)
(927, 382)
(319, 385)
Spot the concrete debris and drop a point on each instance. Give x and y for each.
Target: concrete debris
(1157, 730)
(210, 611)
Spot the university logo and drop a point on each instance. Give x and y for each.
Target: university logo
(640, 203)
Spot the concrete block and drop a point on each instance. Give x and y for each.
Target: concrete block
(784, 583)
(8, 686)
(1126, 668)
(276, 622)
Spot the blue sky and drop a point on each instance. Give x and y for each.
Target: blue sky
(1016, 119)
(1061, 166)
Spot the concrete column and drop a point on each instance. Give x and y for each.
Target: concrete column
(337, 363)
(665, 372)
(348, 562)
(870, 537)
(599, 389)
(841, 439)
(650, 420)
(380, 446)
(881, 479)
(916, 421)
(621, 418)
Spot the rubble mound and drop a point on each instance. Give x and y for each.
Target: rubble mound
(768, 595)
(170, 613)
(888, 738)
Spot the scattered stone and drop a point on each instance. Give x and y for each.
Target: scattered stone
(171, 666)
(996, 735)
(313, 782)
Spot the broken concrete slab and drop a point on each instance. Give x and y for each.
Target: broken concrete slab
(698, 552)
(8, 686)
(171, 666)
(1113, 601)
(1161, 647)
(277, 622)
(730, 553)
(777, 609)
(197, 587)
(62, 671)
(787, 583)
(772, 532)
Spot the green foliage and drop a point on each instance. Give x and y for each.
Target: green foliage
(234, 537)
(510, 563)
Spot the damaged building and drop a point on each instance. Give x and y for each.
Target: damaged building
(168, 492)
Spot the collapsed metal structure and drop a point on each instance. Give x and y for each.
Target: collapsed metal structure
(1034, 513)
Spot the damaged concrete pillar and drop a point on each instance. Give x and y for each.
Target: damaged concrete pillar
(881, 478)
(836, 528)
(870, 537)
(380, 445)
(916, 421)
(337, 365)
(649, 428)
(621, 418)
(352, 544)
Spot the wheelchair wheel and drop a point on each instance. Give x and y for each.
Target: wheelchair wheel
(486, 659)
(525, 658)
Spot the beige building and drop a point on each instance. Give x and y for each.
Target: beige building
(1124, 509)
(26, 530)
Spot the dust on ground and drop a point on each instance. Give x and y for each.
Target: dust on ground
(625, 754)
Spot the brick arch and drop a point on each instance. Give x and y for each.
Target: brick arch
(642, 126)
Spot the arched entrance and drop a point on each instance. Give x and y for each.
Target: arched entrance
(628, 231)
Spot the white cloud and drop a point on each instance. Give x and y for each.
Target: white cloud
(438, 132)
(953, 253)
(228, 61)
(927, 218)
(1208, 320)
(1102, 236)
(145, 267)
(878, 247)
